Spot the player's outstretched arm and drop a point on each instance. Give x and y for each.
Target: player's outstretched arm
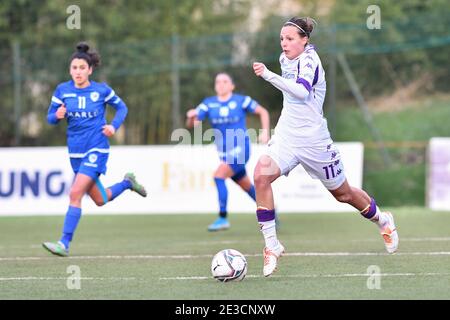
(191, 118)
(108, 130)
(55, 113)
(259, 68)
(119, 117)
(285, 85)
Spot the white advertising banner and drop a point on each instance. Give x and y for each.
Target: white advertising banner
(438, 178)
(179, 179)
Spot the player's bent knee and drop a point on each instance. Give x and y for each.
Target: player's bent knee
(261, 180)
(76, 194)
(99, 202)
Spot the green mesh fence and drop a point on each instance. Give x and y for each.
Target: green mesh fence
(151, 75)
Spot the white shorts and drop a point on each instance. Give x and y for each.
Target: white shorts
(321, 162)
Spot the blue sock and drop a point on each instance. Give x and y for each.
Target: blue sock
(73, 215)
(252, 192)
(223, 196)
(118, 188)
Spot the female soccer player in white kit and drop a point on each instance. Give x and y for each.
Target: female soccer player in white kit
(302, 137)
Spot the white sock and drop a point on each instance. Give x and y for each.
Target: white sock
(380, 218)
(269, 231)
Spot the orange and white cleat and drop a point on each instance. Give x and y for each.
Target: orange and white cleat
(389, 234)
(271, 259)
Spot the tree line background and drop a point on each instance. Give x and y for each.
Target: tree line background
(161, 57)
(137, 40)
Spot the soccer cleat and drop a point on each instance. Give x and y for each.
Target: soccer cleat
(135, 186)
(389, 234)
(219, 224)
(57, 248)
(271, 259)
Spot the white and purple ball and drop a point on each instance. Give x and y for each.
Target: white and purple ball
(229, 265)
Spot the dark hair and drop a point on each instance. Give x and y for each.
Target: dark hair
(91, 57)
(226, 74)
(305, 26)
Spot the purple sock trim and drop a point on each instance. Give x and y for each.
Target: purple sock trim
(265, 215)
(372, 209)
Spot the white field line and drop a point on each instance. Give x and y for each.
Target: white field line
(62, 278)
(211, 242)
(344, 275)
(424, 239)
(289, 254)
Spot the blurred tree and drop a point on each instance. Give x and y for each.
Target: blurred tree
(135, 40)
(400, 48)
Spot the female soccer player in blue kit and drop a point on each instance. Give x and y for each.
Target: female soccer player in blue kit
(227, 114)
(82, 103)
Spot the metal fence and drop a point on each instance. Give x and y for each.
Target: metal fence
(160, 78)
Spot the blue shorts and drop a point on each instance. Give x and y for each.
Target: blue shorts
(92, 165)
(238, 161)
(239, 171)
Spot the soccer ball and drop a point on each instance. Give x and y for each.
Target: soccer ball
(229, 265)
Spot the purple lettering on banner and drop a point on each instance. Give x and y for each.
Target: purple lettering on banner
(26, 182)
(30, 183)
(62, 185)
(10, 191)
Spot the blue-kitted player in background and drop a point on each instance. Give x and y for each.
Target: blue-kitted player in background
(83, 104)
(227, 113)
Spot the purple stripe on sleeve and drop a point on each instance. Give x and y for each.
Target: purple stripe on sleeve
(316, 76)
(265, 215)
(305, 83)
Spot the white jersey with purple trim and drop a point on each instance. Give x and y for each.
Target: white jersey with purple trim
(302, 121)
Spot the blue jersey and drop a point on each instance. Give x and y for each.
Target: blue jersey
(228, 119)
(86, 115)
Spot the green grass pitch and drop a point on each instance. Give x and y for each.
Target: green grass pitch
(169, 257)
